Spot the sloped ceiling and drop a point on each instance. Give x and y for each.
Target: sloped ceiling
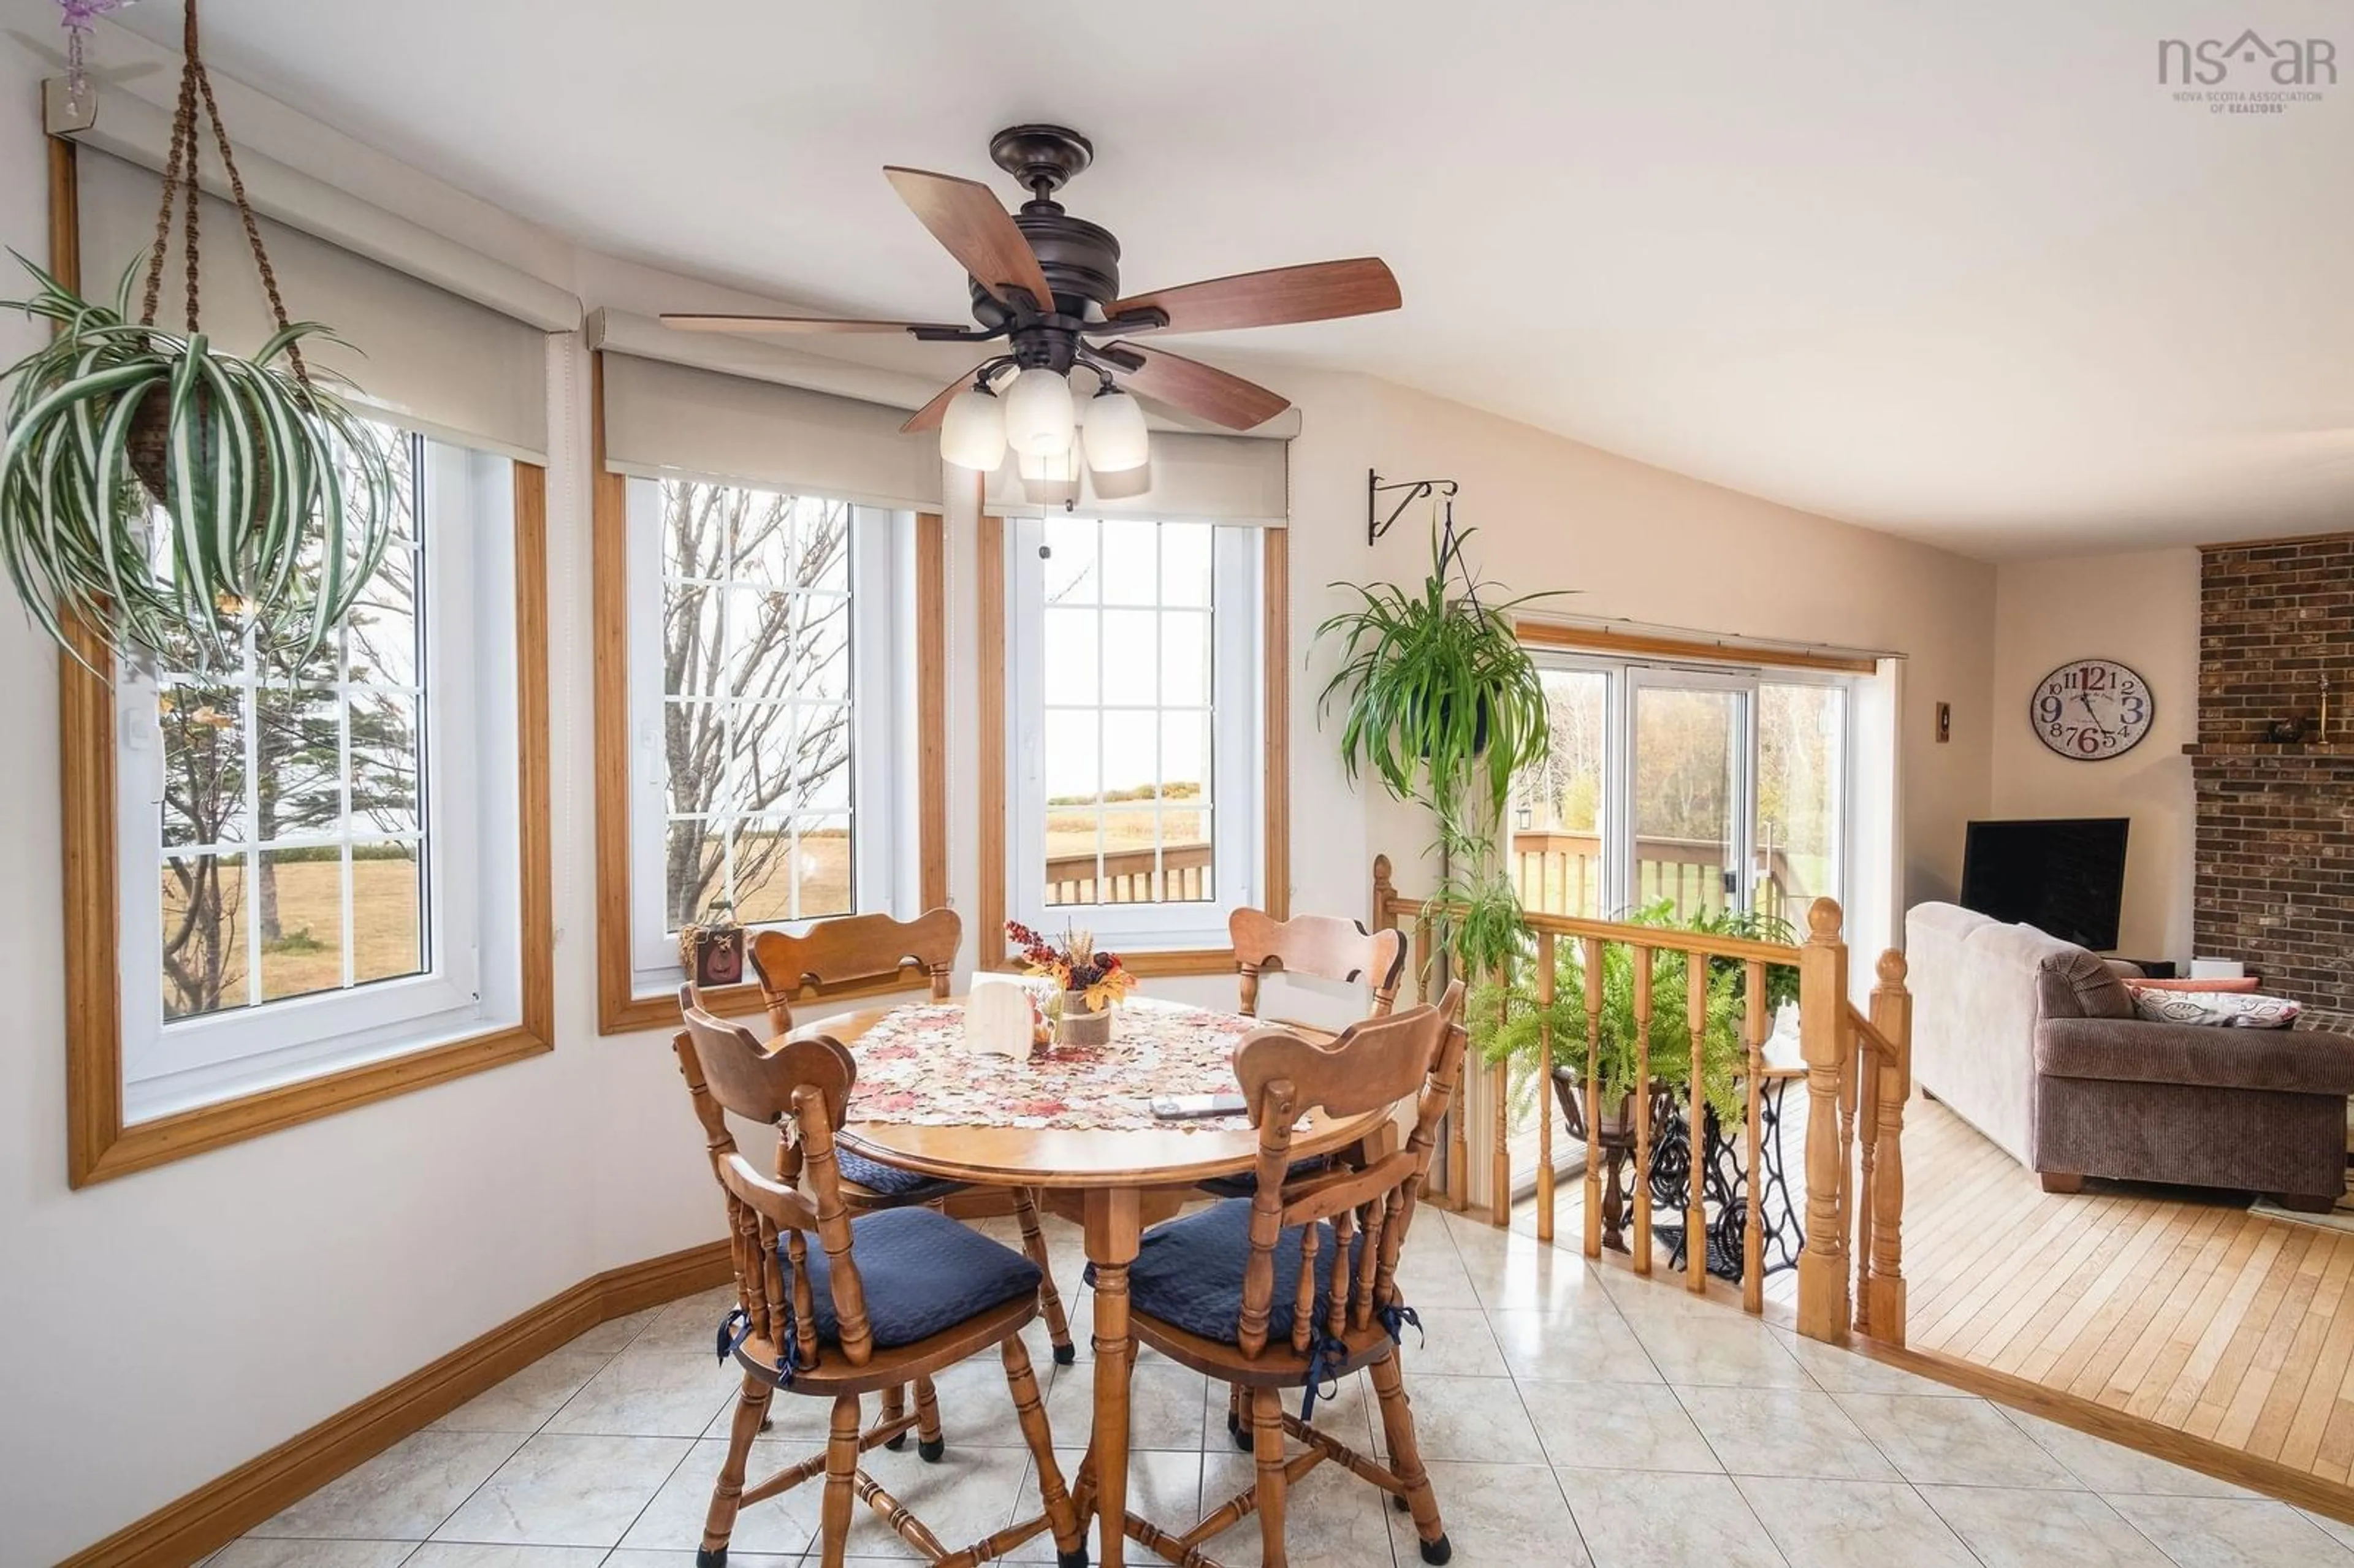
(1964, 272)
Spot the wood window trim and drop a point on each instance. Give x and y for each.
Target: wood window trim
(99, 1146)
(621, 1009)
(1715, 650)
(1274, 704)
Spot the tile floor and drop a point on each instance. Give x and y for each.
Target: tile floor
(1569, 1416)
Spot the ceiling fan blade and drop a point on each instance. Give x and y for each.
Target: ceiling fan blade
(965, 216)
(690, 323)
(1198, 389)
(930, 416)
(1317, 292)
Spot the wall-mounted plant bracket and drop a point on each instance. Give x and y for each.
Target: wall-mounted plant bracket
(1416, 489)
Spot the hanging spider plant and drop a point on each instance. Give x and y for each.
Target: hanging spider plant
(157, 489)
(1437, 686)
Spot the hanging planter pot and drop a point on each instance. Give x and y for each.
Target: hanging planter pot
(171, 498)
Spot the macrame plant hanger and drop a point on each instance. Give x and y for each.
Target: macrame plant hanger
(180, 181)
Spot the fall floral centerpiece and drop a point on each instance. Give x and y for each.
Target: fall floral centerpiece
(1092, 981)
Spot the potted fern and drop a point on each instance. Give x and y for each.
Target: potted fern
(1526, 1023)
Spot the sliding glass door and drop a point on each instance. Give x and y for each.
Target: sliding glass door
(1680, 793)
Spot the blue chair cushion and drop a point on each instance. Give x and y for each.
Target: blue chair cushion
(1189, 1272)
(1244, 1184)
(889, 1180)
(923, 1272)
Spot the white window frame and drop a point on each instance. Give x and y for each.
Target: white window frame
(882, 553)
(1238, 798)
(468, 808)
(1625, 677)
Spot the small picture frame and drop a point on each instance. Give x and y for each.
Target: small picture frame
(712, 949)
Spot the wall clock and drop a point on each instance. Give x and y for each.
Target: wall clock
(2090, 709)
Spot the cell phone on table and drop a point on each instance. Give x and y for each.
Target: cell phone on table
(1194, 1107)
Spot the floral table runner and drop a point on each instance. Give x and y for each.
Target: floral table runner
(914, 1071)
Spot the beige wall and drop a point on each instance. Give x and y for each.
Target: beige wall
(1632, 541)
(2141, 609)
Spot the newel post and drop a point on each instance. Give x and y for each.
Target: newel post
(1892, 1014)
(1823, 1304)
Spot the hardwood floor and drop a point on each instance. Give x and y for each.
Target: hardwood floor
(2179, 1306)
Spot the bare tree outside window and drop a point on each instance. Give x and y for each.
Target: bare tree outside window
(757, 612)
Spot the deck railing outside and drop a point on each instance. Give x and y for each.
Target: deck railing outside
(1128, 877)
(1858, 1072)
(1560, 871)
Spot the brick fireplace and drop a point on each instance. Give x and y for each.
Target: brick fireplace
(2275, 857)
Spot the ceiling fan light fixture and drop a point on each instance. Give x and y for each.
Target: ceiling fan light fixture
(1115, 435)
(1039, 414)
(972, 432)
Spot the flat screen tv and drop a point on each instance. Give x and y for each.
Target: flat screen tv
(2064, 876)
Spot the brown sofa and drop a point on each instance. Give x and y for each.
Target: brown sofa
(2118, 1096)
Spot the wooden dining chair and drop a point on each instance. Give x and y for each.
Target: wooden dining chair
(1322, 946)
(881, 1300)
(875, 947)
(1296, 1287)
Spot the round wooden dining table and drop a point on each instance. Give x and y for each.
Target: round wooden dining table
(1106, 1177)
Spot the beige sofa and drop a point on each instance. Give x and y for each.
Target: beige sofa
(1974, 1013)
(2035, 1043)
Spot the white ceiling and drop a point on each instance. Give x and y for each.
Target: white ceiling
(1964, 272)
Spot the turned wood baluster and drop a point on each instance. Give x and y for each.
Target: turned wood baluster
(1642, 957)
(1336, 1309)
(1544, 1087)
(1369, 1261)
(1752, 1234)
(1863, 1084)
(849, 1291)
(1499, 1159)
(1822, 1034)
(1594, 1156)
(1892, 1012)
(1696, 1198)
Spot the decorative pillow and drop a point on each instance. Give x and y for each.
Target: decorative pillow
(2239, 986)
(2237, 1010)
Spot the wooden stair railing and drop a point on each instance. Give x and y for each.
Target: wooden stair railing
(1858, 1071)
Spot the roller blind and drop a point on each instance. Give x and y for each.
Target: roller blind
(665, 419)
(422, 356)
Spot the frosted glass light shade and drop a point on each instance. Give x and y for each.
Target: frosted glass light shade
(1116, 440)
(1052, 479)
(1039, 418)
(972, 433)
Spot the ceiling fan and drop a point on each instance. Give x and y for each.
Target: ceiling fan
(1047, 285)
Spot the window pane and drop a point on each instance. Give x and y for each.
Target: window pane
(1184, 659)
(384, 765)
(1131, 562)
(1071, 649)
(1685, 743)
(694, 870)
(1557, 859)
(1186, 855)
(1071, 841)
(756, 662)
(1072, 771)
(1070, 561)
(298, 915)
(387, 899)
(204, 763)
(1147, 738)
(204, 934)
(298, 761)
(1130, 858)
(1186, 563)
(1801, 735)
